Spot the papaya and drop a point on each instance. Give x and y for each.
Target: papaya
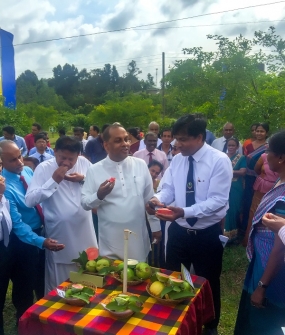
(111, 180)
(92, 253)
(164, 211)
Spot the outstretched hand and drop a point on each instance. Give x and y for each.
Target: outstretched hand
(52, 245)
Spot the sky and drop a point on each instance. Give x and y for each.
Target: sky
(37, 20)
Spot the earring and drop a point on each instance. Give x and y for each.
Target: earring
(280, 162)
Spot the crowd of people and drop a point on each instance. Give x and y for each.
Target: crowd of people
(57, 202)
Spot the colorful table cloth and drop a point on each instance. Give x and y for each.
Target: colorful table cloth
(50, 316)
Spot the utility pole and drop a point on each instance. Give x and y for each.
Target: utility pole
(163, 84)
(156, 76)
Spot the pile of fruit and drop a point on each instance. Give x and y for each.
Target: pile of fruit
(90, 261)
(169, 287)
(79, 291)
(136, 271)
(123, 302)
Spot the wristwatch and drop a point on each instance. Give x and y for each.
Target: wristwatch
(260, 284)
(81, 182)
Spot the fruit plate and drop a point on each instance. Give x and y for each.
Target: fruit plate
(125, 314)
(129, 283)
(164, 301)
(75, 301)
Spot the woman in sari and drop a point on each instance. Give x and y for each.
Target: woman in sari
(253, 138)
(264, 182)
(262, 305)
(252, 151)
(232, 220)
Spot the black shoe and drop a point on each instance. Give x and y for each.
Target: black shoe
(210, 331)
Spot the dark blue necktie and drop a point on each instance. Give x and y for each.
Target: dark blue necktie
(41, 158)
(190, 190)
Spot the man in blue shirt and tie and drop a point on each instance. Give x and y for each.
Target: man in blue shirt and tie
(41, 144)
(26, 241)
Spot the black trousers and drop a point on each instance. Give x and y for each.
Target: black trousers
(204, 250)
(19, 262)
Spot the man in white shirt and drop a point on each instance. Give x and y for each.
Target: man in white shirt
(221, 142)
(153, 127)
(199, 181)
(121, 203)
(56, 185)
(151, 153)
(276, 224)
(5, 252)
(41, 144)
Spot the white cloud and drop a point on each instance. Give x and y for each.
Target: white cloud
(34, 20)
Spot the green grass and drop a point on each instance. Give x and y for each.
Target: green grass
(234, 268)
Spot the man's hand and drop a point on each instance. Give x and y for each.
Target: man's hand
(156, 237)
(2, 185)
(74, 177)
(177, 213)
(258, 297)
(273, 222)
(52, 245)
(150, 206)
(59, 174)
(105, 189)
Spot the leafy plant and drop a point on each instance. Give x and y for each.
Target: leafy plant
(124, 302)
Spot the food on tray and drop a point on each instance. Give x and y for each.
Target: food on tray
(90, 261)
(169, 287)
(123, 302)
(78, 291)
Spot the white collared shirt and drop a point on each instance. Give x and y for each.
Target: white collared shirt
(5, 210)
(212, 181)
(281, 234)
(219, 143)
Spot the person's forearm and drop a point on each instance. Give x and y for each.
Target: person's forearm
(239, 173)
(38, 195)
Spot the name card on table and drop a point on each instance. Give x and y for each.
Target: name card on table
(186, 275)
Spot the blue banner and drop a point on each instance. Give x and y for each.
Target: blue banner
(7, 69)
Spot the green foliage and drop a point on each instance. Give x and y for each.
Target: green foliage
(16, 118)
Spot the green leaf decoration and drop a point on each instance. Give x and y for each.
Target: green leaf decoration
(134, 307)
(105, 271)
(82, 296)
(176, 289)
(153, 278)
(113, 306)
(166, 290)
(183, 294)
(81, 270)
(88, 291)
(133, 299)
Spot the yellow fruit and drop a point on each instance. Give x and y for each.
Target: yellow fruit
(156, 288)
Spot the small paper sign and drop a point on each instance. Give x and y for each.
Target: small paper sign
(61, 293)
(186, 275)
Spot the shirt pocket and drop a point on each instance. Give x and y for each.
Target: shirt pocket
(138, 188)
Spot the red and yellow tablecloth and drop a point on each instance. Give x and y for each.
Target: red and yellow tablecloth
(50, 316)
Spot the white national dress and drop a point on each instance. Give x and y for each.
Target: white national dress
(123, 208)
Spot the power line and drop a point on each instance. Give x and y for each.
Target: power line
(210, 25)
(151, 24)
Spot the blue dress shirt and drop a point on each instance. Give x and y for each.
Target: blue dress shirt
(20, 143)
(24, 219)
(48, 150)
(37, 155)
